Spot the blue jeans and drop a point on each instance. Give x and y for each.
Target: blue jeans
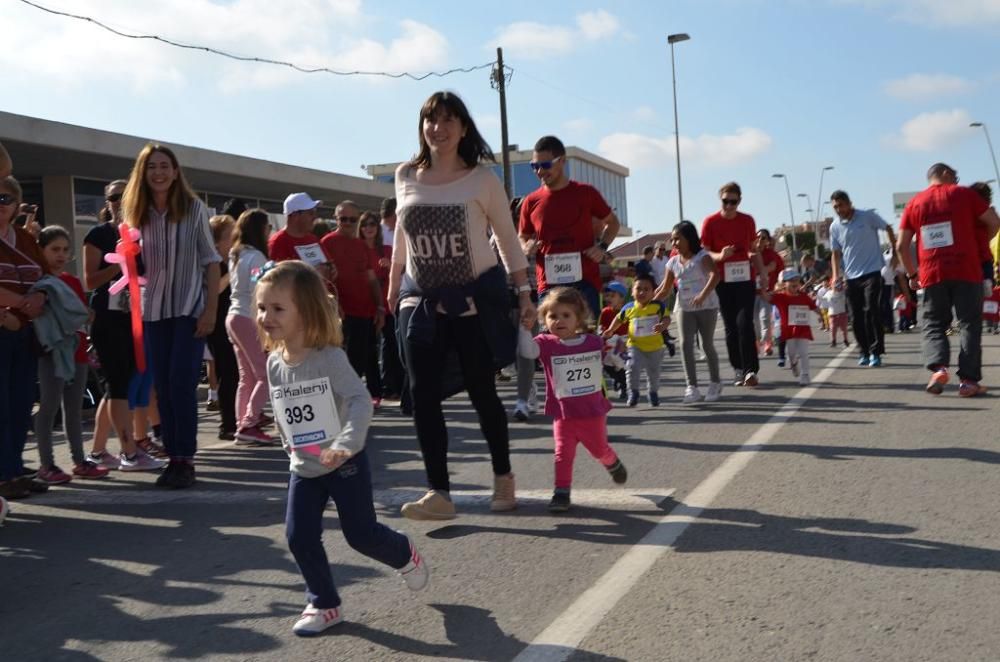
(175, 356)
(18, 372)
(350, 487)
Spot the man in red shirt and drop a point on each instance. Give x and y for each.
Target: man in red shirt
(943, 218)
(729, 236)
(359, 294)
(557, 226)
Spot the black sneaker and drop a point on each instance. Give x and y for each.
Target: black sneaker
(560, 501)
(166, 479)
(184, 477)
(618, 472)
(227, 435)
(654, 398)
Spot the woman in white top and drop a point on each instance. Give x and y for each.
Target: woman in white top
(248, 255)
(181, 267)
(693, 269)
(448, 204)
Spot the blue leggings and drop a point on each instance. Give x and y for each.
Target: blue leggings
(175, 357)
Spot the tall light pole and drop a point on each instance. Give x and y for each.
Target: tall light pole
(989, 143)
(673, 39)
(791, 215)
(819, 209)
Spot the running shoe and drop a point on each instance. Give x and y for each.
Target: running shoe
(313, 621)
(255, 437)
(804, 379)
(633, 399)
(714, 392)
(863, 360)
(53, 475)
(533, 399)
(654, 399)
(13, 489)
(619, 474)
(738, 378)
(751, 380)
(968, 388)
(691, 395)
(151, 447)
(936, 384)
(874, 361)
(520, 412)
(90, 469)
(781, 363)
(106, 460)
(212, 405)
(266, 421)
(560, 501)
(139, 462)
(415, 573)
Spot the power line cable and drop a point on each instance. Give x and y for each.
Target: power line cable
(261, 60)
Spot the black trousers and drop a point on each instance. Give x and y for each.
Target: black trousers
(864, 296)
(359, 342)
(425, 365)
(736, 303)
(392, 367)
(228, 372)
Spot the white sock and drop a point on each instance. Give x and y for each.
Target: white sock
(213, 394)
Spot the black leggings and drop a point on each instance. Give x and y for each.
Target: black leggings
(111, 334)
(736, 303)
(426, 367)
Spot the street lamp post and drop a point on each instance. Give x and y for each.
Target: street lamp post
(791, 216)
(989, 143)
(819, 210)
(673, 39)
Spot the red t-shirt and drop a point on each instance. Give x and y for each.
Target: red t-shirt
(562, 222)
(283, 246)
(991, 306)
(790, 305)
(943, 219)
(608, 315)
(353, 260)
(769, 255)
(740, 231)
(74, 283)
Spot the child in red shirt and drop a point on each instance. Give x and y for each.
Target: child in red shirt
(794, 306)
(615, 295)
(991, 311)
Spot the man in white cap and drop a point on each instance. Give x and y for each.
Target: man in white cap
(296, 241)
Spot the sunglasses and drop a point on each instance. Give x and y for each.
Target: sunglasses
(730, 202)
(347, 219)
(369, 224)
(544, 165)
(114, 197)
(7, 199)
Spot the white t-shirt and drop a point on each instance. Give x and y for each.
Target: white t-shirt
(691, 278)
(241, 281)
(836, 302)
(659, 266)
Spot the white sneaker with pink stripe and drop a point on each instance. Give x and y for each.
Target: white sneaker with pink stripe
(313, 620)
(415, 573)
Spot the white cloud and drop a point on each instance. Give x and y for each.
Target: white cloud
(529, 40)
(327, 33)
(598, 24)
(644, 114)
(642, 151)
(937, 14)
(923, 87)
(930, 131)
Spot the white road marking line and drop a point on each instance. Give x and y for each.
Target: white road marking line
(630, 497)
(560, 639)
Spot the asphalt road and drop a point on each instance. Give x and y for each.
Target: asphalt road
(853, 520)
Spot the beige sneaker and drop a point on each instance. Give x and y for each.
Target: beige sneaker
(433, 506)
(503, 494)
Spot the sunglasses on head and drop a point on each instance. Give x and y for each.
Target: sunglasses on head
(114, 197)
(7, 199)
(544, 165)
(730, 202)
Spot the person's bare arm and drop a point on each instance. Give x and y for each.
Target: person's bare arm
(93, 275)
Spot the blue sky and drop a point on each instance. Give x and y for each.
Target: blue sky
(880, 89)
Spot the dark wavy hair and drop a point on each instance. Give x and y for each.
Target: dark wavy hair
(687, 230)
(472, 148)
(251, 230)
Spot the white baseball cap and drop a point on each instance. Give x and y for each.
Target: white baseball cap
(789, 274)
(300, 202)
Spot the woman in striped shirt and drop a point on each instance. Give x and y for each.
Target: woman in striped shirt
(181, 265)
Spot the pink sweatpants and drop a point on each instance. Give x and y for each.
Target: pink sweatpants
(251, 394)
(592, 433)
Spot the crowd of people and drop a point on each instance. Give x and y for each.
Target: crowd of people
(447, 283)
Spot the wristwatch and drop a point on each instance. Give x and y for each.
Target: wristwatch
(521, 289)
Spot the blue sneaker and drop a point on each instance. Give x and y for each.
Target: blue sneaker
(863, 361)
(781, 363)
(874, 361)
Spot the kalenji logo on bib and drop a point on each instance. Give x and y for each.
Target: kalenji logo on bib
(297, 391)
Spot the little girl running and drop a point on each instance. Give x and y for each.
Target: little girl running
(323, 411)
(796, 330)
(836, 304)
(574, 388)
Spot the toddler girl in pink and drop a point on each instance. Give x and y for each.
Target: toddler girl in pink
(574, 388)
